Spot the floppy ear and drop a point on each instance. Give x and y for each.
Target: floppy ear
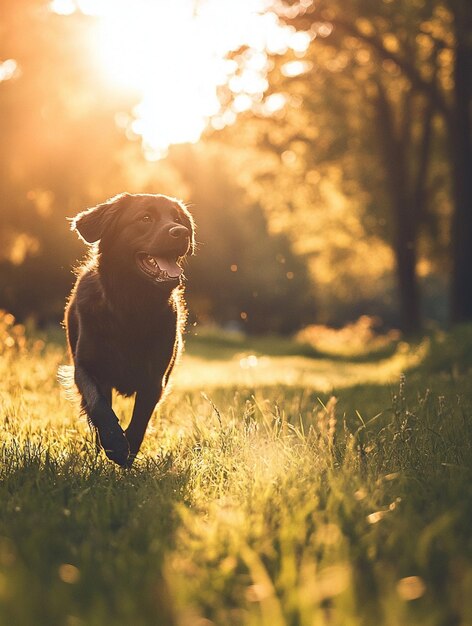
(92, 223)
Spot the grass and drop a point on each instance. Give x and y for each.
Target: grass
(277, 487)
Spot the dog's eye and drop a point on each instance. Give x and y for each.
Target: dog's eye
(146, 218)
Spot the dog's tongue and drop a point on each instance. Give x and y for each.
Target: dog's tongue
(170, 266)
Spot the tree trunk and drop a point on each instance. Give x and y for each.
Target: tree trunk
(405, 255)
(404, 215)
(461, 162)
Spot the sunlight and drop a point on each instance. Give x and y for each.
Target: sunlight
(8, 69)
(173, 56)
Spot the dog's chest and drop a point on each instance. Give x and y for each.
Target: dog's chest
(137, 358)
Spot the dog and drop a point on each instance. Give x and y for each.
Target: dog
(125, 316)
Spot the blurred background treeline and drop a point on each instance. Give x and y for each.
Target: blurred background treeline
(339, 185)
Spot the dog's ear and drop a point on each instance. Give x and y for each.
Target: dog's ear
(92, 223)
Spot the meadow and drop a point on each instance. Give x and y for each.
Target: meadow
(280, 484)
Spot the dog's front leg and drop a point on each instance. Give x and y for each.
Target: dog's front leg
(97, 407)
(144, 405)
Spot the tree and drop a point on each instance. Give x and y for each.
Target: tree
(350, 112)
(429, 45)
(458, 118)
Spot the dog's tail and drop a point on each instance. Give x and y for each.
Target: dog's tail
(65, 377)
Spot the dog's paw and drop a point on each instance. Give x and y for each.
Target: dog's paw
(115, 444)
(130, 461)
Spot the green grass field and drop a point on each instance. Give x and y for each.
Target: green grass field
(278, 486)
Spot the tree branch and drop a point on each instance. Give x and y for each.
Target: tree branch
(418, 82)
(407, 68)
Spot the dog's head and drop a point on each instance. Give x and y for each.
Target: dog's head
(147, 233)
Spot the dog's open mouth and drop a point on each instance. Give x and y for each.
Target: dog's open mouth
(160, 269)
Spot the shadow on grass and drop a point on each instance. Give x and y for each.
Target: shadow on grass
(82, 536)
(227, 346)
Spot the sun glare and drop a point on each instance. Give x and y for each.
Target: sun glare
(173, 56)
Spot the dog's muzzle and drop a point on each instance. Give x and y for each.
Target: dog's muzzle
(159, 269)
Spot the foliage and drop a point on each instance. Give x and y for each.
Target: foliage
(262, 505)
(58, 128)
(12, 336)
(355, 339)
(364, 133)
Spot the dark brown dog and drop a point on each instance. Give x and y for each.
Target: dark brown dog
(126, 312)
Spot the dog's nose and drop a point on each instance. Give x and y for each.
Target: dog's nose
(179, 232)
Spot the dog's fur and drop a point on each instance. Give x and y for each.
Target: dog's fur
(124, 318)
